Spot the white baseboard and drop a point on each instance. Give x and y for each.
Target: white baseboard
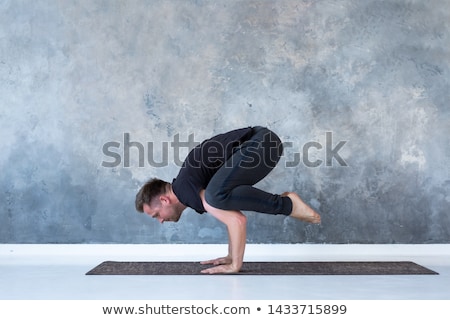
(94, 253)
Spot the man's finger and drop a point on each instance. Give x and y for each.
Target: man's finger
(213, 270)
(215, 261)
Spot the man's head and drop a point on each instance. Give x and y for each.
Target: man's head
(157, 199)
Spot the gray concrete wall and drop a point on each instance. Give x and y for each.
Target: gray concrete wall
(363, 86)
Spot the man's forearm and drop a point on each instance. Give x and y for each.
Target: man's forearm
(237, 234)
(236, 224)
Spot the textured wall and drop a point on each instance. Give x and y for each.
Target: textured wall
(84, 83)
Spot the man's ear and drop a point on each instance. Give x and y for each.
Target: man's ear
(164, 199)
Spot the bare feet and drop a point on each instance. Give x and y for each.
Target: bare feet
(301, 210)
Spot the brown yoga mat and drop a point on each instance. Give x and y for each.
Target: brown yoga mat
(264, 268)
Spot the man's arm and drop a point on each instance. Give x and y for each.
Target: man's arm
(236, 224)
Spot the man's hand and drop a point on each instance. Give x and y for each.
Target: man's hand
(222, 265)
(218, 261)
(223, 268)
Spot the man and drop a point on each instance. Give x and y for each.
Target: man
(218, 177)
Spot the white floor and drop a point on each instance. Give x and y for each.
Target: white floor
(53, 272)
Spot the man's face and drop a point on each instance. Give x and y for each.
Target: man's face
(163, 212)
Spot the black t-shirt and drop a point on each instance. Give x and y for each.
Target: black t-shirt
(202, 163)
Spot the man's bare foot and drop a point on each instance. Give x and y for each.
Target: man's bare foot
(301, 210)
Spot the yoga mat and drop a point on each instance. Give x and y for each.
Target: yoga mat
(264, 268)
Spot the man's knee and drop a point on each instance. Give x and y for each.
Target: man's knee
(215, 198)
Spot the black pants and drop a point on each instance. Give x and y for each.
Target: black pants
(231, 188)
